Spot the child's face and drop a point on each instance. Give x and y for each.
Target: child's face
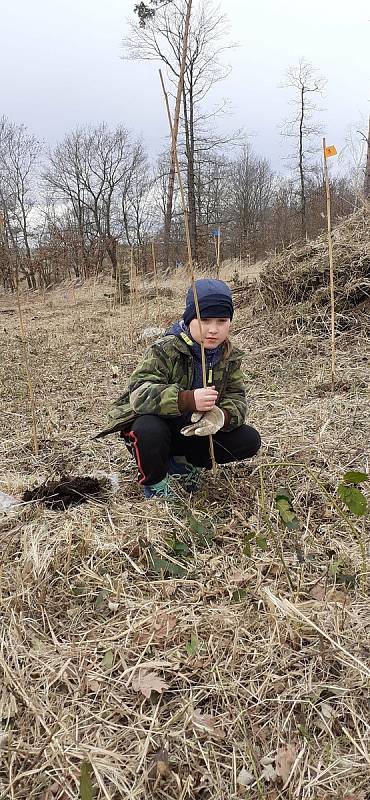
(214, 331)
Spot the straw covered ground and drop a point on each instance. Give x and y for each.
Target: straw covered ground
(196, 650)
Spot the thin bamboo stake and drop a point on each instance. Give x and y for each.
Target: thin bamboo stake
(155, 276)
(218, 251)
(187, 227)
(116, 299)
(112, 297)
(132, 291)
(331, 267)
(31, 393)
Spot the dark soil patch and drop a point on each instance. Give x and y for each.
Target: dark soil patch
(323, 389)
(67, 491)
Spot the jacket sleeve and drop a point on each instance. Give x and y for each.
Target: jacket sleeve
(150, 389)
(234, 397)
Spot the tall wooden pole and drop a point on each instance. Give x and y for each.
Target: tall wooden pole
(218, 251)
(174, 129)
(132, 291)
(155, 272)
(331, 267)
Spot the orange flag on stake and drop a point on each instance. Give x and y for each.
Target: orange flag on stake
(330, 151)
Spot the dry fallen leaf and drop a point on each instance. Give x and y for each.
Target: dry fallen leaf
(237, 576)
(207, 724)
(8, 705)
(160, 628)
(265, 761)
(160, 767)
(285, 759)
(245, 778)
(4, 739)
(169, 589)
(317, 592)
(93, 685)
(147, 681)
(327, 711)
(359, 796)
(165, 623)
(268, 773)
(335, 596)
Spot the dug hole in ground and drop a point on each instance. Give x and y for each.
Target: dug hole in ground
(211, 649)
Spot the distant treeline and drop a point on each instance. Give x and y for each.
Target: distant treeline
(79, 209)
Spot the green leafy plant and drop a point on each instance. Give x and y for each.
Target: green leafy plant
(178, 547)
(202, 531)
(164, 566)
(351, 495)
(101, 599)
(284, 505)
(239, 595)
(337, 571)
(108, 660)
(260, 542)
(192, 646)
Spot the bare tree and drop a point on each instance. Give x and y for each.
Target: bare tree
(367, 167)
(136, 205)
(161, 39)
(305, 82)
(19, 157)
(251, 188)
(91, 172)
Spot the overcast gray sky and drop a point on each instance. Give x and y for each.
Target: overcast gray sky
(60, 66)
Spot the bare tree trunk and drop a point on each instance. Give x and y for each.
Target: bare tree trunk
(171, 180)
(301, 172)
(168, 215)
(367, 168)
(189, 134)
(112, 254)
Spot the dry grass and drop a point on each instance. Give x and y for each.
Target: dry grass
(300, 276)
(253, 682)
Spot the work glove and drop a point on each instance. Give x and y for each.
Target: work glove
(205, 423)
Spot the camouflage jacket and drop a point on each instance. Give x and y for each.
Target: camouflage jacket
(166, 369)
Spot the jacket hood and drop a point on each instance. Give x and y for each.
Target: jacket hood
(177, 328)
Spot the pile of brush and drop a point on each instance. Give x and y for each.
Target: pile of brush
(299, 276)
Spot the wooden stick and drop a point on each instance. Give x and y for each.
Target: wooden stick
(31, 393)
(117, 287)
(218, 251)
(188, 241)
(132, 291)
(331, 268)
(155, 276)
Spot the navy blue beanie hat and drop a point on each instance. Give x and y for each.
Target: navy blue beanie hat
(215, 300)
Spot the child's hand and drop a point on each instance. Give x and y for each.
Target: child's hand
(205, 399)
